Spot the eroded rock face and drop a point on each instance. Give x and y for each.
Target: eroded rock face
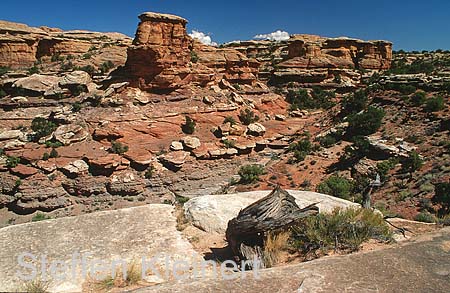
(163, 57)
(311, 59)
(21, 46)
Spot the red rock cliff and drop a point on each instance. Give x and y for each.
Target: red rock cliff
(163, 57)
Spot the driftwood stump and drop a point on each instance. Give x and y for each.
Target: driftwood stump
(278, 210)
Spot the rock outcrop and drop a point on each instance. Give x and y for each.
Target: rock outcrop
(21, 46)
(311, 59)
(163, 57)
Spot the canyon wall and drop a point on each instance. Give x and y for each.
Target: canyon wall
(21, 46)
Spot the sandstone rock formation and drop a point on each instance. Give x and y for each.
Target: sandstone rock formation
(310, 59)
(21, 46)
(163, 57)
(126, 234)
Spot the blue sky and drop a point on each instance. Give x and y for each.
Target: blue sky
(411, 25)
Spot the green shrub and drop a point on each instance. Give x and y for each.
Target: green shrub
(194, 57)
(327, 141)
(118, 148)
(33, 70)
(78, 90)
(337, 186)
(229, 143)
(53, 144)
(149, 172)
(301, 99)
(301, 149)
(40, 217)
(2, 93)
(56, 57)
(354, 103)
(76, 107)
(434, 104)
(384, 167)
(250, 173)
(425, 217)
(67, 66)
(247, 116)
(340, 230)
(229, 119)
(442, 194)
(189, 125)
(4, 70)
(418, 98)
(359, 149)
(53, 153)
(42, 127)
(412, 163)
(45, 156)
(87, 55)
(12, 162)
(365, 123)
(87, 68)
(106, 66)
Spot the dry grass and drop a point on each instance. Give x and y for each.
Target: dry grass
(36, 286)
(274, 245)
(133, 277)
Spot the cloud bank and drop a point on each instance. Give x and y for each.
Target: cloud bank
(202, 37)
(275, 36)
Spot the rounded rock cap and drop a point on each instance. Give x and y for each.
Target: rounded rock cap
(161, 17)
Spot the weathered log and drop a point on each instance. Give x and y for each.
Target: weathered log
(278, 210)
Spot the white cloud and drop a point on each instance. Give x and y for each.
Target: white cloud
(202, 37)
(275, 36)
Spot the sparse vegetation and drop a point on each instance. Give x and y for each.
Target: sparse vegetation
(36, 286)
(365, 123)
(250, 173)
(42, 127)
(434, 104)
(300, 149)
(247, 116)
(413, 163)
(118, 148)
(442, 195)
(12, 162)
(4, 70)
(76, 107)
(40, 217)
(301, 99)
(33, 70)
(106, 66)
(229, 143)
(337, 186)
(194, 57)
(354, 103)
(341, 230)
(418, 98)
(425, 217)
(149, 172)
(229, 119)
(53, 153)
(189, 125)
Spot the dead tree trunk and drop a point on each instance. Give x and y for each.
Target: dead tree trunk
(246, 232)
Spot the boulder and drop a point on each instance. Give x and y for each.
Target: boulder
(174, 160)
(37, 83)
(211, 213)
(76, 168)
(71, 133)
(23, 171)
(11, 134)
(191, 142)
(256, 129)
(74, 78)
(176, 146)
